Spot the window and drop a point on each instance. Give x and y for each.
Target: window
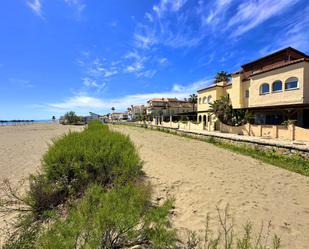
(277, 86)
(291, 83)
(264, 89)
(209, 99)
(247, 93)
(204, 100)
(200, 100)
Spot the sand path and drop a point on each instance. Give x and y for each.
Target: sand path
(201, 176)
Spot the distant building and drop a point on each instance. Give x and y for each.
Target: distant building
(166, 107)
(118, 116)
(136, 111)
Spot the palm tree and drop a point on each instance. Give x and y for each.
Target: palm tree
(113, 109)
(193, 100)
(222, 76)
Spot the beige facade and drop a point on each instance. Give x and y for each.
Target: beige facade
(268, 87)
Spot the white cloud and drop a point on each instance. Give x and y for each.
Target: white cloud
(36, 6)
(252, 13)
(149, 17)
(192, 87)
(83, 103)
(137, 65)
(163, 61)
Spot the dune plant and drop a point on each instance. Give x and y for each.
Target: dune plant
(120, 218)
(89, 192)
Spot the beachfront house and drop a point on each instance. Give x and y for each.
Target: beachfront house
(275, 88)
(165, 108)
(119, 116)
(136, 111)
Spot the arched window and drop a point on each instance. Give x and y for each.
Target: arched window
(247, 93)
(200, 118)
(277, 86)
(209, 99)
(200, 100)
(204, 100)
(264, 88)
(291, 83)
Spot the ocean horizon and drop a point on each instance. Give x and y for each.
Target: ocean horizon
(25, 122)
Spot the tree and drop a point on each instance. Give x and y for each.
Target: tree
(222, 76)
(223, 110)
(71, 118)
(193, 100)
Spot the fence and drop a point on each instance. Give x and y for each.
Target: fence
(289, 132)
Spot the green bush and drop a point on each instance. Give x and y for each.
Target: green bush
(77, 159)
(115, 219)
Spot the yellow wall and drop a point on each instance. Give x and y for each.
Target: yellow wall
(277, 98)
(238, 89)
(306, 80)
(236, 95)
(214, 92)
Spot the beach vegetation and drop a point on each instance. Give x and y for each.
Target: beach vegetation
(90, 191)
(71, 118)
(224, 111)
(225, 237)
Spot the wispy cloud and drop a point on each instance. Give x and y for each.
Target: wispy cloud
(252, 13)
(168, 6)
(292, 33)
(191, 87)
(216, 13)
(21, 83)
(78, 6)
(35, 6)
(96, 72)
(170, 24)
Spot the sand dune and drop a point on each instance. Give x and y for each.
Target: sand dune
(201, 177)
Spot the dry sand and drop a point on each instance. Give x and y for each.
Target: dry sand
(22, 147)
(201, 176)
(21, 150)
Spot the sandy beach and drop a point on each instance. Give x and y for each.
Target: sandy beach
(22, 146)
(21, 150)
(199, 175)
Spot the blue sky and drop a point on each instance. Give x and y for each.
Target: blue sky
(61, 55)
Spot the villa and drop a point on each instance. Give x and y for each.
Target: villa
(167, 107)
(274, 88)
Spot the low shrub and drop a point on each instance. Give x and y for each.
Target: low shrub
(226, 238)
(119, 218)
(79, 158)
